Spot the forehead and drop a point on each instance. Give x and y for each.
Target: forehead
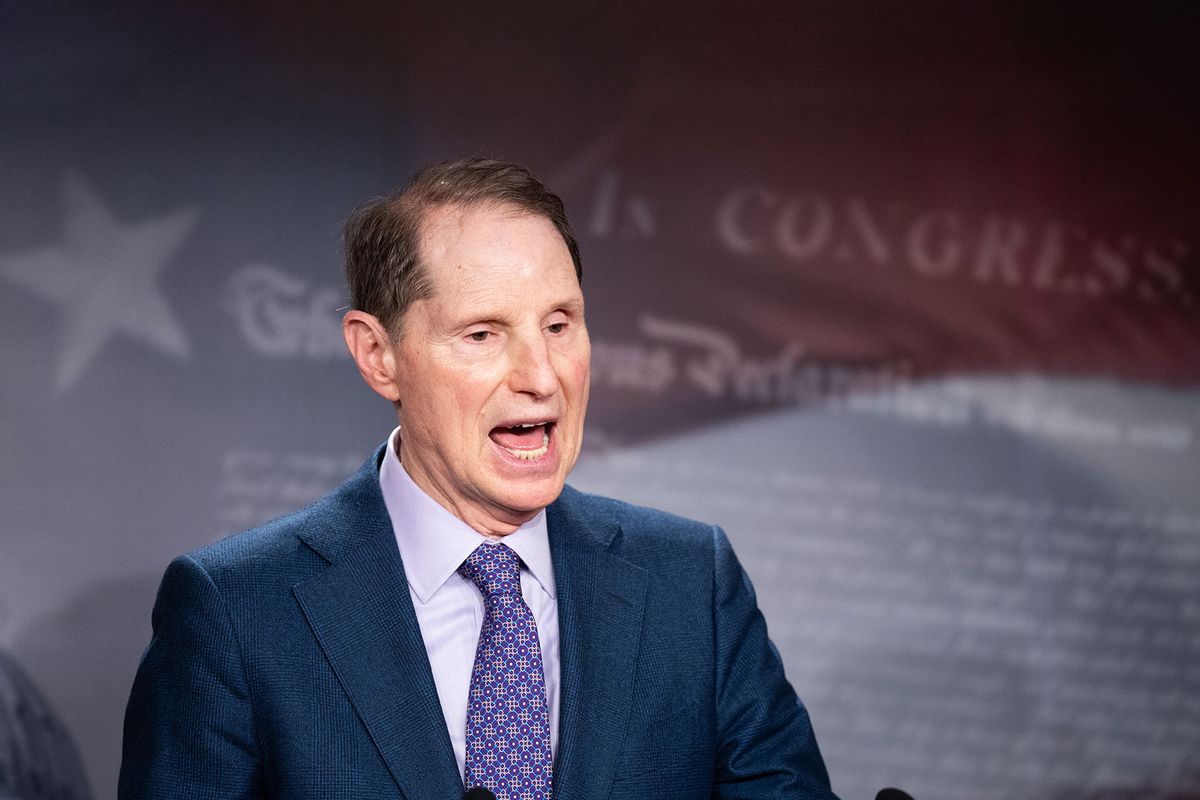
(465, 245)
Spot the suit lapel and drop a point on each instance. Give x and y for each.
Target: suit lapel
(362, 615)
(601, 601)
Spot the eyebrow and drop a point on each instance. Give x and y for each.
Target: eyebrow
(465, 317)
(573, 305)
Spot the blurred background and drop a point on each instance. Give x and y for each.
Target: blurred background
(904, 295)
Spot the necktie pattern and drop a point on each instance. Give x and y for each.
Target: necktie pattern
(508, 722)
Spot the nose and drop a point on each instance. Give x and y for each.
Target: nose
(531, 369)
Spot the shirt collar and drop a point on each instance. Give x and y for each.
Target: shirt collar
(433, 542)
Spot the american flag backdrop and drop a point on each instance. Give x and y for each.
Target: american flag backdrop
(904, 296)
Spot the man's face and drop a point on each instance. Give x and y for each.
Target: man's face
(492, 369)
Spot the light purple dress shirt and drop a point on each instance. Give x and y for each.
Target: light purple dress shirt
(433, 543)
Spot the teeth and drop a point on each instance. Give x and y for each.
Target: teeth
(529, 455)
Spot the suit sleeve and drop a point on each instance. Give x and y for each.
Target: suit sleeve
(766, 747)
(189, 726)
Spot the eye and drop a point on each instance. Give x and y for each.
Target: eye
(556, 327)
(479, 336)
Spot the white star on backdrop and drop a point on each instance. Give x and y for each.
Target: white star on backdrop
(102, 277)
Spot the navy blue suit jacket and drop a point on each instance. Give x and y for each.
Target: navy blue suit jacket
(287, 662)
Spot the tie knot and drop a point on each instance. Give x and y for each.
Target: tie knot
(494, 568)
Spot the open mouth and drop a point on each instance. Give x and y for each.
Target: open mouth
(525, 440)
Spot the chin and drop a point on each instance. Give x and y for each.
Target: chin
(530, 499)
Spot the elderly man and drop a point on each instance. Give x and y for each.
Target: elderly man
(454, 616)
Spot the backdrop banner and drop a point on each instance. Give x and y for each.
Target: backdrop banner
(905, 299)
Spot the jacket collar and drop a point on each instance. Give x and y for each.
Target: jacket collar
(361, 613)
(601, 601)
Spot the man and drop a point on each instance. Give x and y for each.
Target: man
(453, 616)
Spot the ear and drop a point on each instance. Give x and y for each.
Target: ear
(373, 351)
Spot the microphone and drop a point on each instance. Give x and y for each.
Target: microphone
(891, 793)
(480, 793)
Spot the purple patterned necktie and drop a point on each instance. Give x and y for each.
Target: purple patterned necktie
(508, 723)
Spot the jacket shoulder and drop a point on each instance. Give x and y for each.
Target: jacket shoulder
(317, 533)
(637, 524)
(267, 543)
